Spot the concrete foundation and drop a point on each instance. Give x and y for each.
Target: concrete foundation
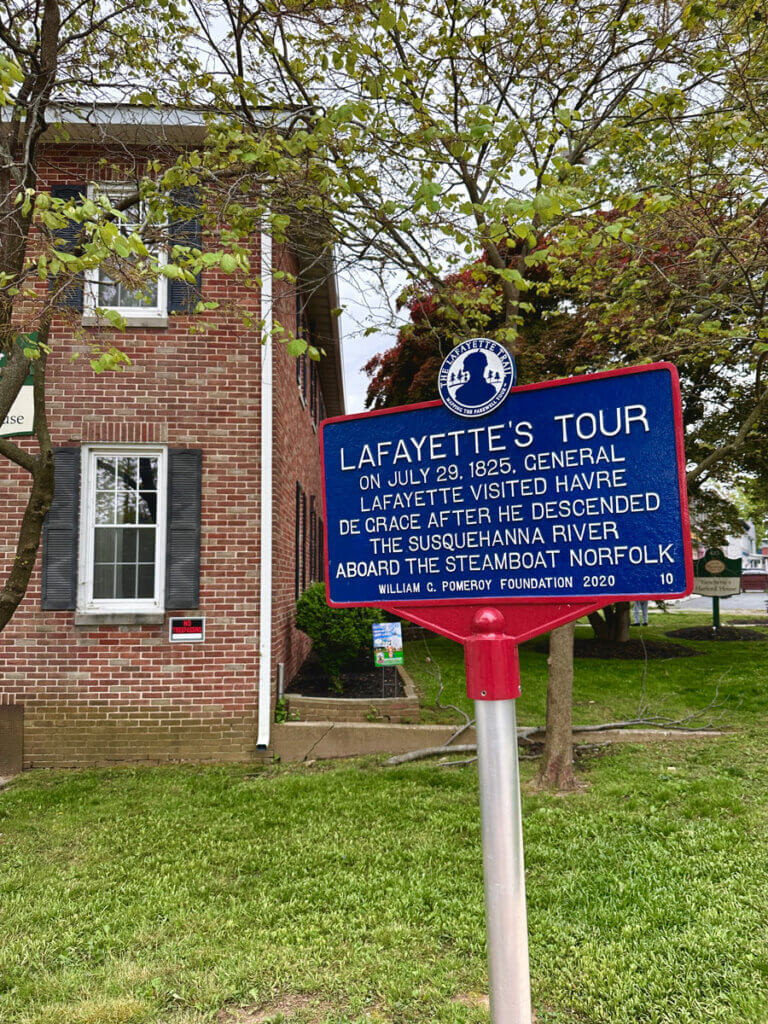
(299, 741)
(302, 741)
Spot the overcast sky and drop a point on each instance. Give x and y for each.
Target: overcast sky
(365, 305)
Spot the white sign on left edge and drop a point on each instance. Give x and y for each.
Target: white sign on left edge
(20, 419)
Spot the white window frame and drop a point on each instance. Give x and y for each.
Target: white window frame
(132, 314)
(85, 600)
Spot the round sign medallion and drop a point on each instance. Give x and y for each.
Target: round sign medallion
(476, 377)
(714, 566)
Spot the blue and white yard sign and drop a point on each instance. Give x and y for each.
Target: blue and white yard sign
(387, 643)
(572, 488)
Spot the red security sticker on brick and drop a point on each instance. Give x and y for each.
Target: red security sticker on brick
(186, 630)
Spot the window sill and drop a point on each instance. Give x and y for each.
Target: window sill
(89, 320)
(119, 618)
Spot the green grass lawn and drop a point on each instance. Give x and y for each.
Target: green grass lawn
(164, 896)
(610, 690)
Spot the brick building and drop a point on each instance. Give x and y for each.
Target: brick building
(187, 486)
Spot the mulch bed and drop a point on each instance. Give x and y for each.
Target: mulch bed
(632, 650)
(750, 621)
(724, 633)
(361, 683)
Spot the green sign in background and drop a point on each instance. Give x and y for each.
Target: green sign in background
(714, 564)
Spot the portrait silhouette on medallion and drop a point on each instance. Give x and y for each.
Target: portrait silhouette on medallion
(477, 390)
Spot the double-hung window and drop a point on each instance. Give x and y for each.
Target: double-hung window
(134, 293)
(122, 536)
(122, 529)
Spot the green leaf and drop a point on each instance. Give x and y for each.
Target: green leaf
(296, 347)
(121, 247)
(387, 18)
(280, 222)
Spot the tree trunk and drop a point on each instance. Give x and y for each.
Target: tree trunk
(621, 622)
(556, 768)
(612, 625)
(19, 173)
(601, 624)
(41, 469)
(28, 542)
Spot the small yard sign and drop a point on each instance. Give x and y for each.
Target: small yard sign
(387, 644)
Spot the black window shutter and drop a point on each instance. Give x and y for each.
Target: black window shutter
(320, 551)
(312, 540)
(182, 570)
(303, 541)
(60, 533)
(182, 295)
(297, 543)
(67, 239)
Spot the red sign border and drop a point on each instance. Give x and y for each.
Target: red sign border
(594, 600)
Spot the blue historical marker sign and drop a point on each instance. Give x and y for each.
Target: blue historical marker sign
(572, 488)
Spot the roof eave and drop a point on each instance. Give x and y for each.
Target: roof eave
(317, 281)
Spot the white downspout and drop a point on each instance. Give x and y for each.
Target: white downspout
(265, 587)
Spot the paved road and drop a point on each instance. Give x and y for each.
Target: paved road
(749, 602)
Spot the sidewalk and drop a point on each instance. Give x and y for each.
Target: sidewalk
(752, 602)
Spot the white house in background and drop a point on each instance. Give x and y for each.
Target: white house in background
(747, 545)
(756, 557)
(743, 545)
(753, 553)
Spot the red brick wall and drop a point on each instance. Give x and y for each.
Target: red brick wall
(296, 460)
(120, 694)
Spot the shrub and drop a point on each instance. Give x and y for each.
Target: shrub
(340, 636)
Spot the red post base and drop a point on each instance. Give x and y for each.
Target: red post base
(493, 664)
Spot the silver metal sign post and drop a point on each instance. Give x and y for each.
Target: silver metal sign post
(503, 866)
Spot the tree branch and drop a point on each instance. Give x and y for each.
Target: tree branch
(733, 446)
(17, 455)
